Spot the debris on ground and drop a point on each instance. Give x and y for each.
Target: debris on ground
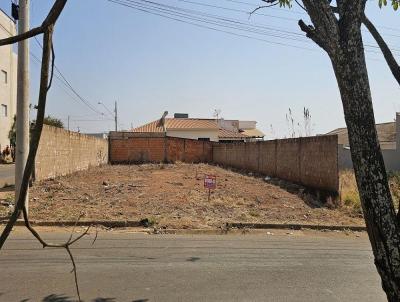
(173, 196)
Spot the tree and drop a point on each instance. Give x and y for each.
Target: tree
(337, 30)
(52, 121)
(46, 79)
(12, 134)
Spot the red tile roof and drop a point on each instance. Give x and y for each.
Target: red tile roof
(223, 133)
(189, 124)
(178, 124)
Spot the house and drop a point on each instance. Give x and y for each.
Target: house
(102, 135)
(8, 80)
(198, 128)
(389, 139)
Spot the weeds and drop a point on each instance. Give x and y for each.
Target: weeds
(349, 193)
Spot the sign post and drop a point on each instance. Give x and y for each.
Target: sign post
(210, 182)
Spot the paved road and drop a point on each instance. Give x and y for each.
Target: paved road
(141, 267)
(6, 175)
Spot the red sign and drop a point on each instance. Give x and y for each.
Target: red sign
(210, 181)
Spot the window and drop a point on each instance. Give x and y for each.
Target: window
(4, 76)
(4, 110)
(205, 139)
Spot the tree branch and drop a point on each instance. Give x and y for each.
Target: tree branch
(47, 29)
(325, 30)
(35, 137)
(311, 33)
(387, 53)
(50, 20)
(261, 7)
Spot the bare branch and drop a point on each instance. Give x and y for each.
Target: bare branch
(302, 6)
(44, 78)
(53, 58)
(312, 34)
(50, 20)
(261, 7)
(46, 28)
(387, 53)
(74, 270)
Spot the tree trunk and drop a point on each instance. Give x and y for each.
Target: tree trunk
(379, 213)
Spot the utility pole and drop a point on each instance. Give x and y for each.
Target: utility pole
(109, 111)
(68, 122)
(116, 116)
(22, 129)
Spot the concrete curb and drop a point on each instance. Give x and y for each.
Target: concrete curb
(230, 226)
(294, 226)
(109, 224)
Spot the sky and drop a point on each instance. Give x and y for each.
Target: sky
(149, 64)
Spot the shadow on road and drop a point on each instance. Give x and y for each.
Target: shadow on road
(9, 188)
(62, 298)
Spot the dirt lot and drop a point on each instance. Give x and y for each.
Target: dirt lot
(173, 196)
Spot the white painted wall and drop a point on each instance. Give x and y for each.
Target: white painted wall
(195, 134)
(231, 125)
(391, 157)
(8, 90)
(247, 124)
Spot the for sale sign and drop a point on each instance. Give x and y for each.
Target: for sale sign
(210, 182)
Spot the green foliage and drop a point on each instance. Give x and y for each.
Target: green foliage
(284, 3)
(395, 3)
(12, 136)
(52, 121)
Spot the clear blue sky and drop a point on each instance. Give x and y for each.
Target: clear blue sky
(150, 64)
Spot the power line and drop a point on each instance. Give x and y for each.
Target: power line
(278, 17)
(273, 8)
(218, 20)
(177, 13)
(149, 11)
(68, 84)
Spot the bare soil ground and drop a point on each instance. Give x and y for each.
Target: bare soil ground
(173, 196)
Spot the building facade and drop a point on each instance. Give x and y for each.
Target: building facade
(389, 140)
(213, 130)
(8, 80)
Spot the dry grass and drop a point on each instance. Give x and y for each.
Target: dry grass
(174, 196)
(349, 193)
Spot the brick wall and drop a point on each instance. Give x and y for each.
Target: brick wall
(129, 147)
(310, 161)
(62, 152)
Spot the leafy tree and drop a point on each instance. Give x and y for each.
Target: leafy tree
(12, 136)
(337, 30)
(52, 121)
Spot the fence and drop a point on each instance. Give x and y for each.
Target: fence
(130, 147)
(62, 152)
(310, 161)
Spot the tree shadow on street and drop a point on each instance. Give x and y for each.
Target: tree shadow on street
(63, 298)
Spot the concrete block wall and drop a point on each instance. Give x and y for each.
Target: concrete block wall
(62, 152)
(310, 161)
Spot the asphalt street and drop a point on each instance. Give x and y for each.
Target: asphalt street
(127, 266)
(6, 175)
